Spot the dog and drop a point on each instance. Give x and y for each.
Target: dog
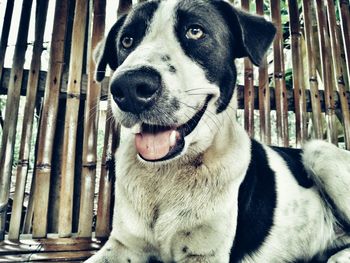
(191, 186)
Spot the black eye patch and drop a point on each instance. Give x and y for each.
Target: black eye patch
(211, 52)
(135, 27)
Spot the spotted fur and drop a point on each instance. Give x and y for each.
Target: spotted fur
(222, 197)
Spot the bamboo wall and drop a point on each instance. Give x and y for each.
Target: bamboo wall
(63, 186)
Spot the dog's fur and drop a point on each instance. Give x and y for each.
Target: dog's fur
(222, 197)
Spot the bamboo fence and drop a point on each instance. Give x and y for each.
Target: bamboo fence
(91, 118)
(298, 73)
(12, 105)
(264, 91)
(71, 119)
(337, 70)
(279, 77)
(343, 6)
(63, 197)
(326, 69)
(23, 162)
(248, 88)
(312, 71)
(47, 128)
(5, 32)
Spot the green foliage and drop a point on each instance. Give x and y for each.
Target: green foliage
(2, 102)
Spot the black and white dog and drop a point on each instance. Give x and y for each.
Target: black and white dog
(191, 185)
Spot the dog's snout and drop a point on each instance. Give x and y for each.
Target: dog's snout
(136, 90)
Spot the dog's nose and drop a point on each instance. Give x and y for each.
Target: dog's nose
(136, 90)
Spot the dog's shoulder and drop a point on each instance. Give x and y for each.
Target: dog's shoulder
(258, 194)
(257, 199)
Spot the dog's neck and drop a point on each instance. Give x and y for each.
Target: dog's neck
(230, 145)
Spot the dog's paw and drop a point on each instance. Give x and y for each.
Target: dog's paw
(341, 257)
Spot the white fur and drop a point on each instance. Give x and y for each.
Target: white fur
(214, 186)
(175, 209)
(330, 168)
(341, 257)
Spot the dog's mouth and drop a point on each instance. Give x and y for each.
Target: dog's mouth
(160, 143)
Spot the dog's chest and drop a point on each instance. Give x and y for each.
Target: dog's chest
(159, 193)
(172, 198)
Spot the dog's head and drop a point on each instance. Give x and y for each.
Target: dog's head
(174, 72)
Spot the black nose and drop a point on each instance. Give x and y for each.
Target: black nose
(136, 90)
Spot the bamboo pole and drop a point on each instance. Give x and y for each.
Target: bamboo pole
(91, 127)
(279, 77)
(5, 33)
(48, 120)
(337, 71)
(264, 92)
(107, 178)
(248, 88)
(312, 73)
(71, 119)
(298, 73)
(11, 115)
(326, 71)
(343, 6)
(28, 218)
(23, 163)
(111, 142)
(124, 7)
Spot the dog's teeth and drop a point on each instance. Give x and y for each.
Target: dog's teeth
(136, 129)
(172, 138)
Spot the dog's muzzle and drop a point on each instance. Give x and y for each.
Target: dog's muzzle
(160, 143)
(136, 91)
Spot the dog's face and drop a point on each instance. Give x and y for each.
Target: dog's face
(174, 72)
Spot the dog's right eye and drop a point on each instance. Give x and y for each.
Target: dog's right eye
(195, 32)
(127, 42)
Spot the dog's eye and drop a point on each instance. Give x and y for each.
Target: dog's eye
(195, 32)
(127, 42)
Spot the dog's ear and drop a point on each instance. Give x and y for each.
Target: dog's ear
(105, 52)
(252, 35)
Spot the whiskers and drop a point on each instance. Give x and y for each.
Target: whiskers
(192, 92)
(212, 116)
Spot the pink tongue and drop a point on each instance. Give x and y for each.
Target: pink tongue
(153, 146)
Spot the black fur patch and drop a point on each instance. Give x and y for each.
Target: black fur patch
(136, 26)
(153, 260)
(293, 159)
(155, 216)
(109, 51)
(213, 52)
(228, 34)
(252, 35)
(256, 205)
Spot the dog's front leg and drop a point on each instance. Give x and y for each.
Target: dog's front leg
(115, 252)
(205, 244)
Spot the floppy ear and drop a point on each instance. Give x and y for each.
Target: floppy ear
(252, 34)
(105, 52)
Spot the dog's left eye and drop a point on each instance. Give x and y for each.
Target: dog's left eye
(127, 42)
(195, 32)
